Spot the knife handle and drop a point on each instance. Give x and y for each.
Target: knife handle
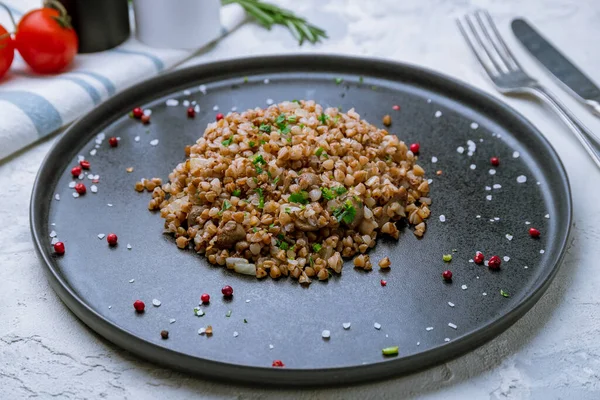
(588, 139)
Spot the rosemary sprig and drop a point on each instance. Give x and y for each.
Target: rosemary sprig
(268, 14)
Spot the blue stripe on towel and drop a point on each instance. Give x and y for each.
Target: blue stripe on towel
(157, 61)
(108, 84)
(86, 86)
(16, 13)
(41, 112)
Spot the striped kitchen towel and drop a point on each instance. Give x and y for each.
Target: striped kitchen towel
(34, 106)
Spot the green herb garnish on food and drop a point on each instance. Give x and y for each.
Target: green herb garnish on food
(319, 151)
(277, 178)
(287, 210)
(316, 247)
(226, 206)
(345, 213)
(263, 142)
(338, 80)
(360, 80)
(504, 294)
(323, 118)
(245, 79)
(255, 229)
(311, 261)
(447, 257)
(265, 128)
(237, 192)
(292, 119)
(390, 351)
(227, 142)
(301, 126)
(259, 159)
(300, 197)
(261, 197)
(280, 120)
(340, 190)
(296, 101)
(336, 119)
(327, 193)
(284, 246)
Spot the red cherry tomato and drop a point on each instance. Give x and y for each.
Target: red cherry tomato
(7, 51)
(46, 40)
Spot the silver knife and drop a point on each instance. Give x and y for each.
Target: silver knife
(564, 70)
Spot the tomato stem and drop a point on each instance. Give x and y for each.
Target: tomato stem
(12, 18)
(64, 20)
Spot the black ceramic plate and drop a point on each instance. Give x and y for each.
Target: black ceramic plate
(417, 311)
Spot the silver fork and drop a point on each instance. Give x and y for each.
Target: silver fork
(508, 76)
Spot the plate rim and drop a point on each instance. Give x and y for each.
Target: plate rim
(253, 375)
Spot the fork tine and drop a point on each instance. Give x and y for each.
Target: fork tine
(500, 40)
(501, 52)
(488, 50)
(483, 63)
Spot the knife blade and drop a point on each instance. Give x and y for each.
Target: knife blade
(564, 70)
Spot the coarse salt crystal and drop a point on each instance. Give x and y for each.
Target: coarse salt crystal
(492, 171)
(52, 234)
(235, 334)
(197, 108)
(509, 236)
(488, 197)
(271, 347)
(80, 158)
(506, 258)
(156, 302)
(478, 216)
(172, 320)
(234, 108)
(434, 159)
(497, 186)
(110, 205)
(90, 176)
(128, 246)
(488, 188)
(451, 325)
(442, 218)
(527, 223)
(428, 100)
(438, 114)
(72, 184)
(186, 103)
(492, 220)
(516, 154)
(172, 102)
(202, 89)
(131, 280)
(93, 152)
(75, 194)
(474, 125)
(538, 183)
(418, 343)
(447, 339)
(109, 307)
(429, 328)
(526, 267)
(81, 176)
(215, 108)
(496, 219)
(547, 216)
(460, 149)
(101, 236)
(57, 197)
(266, 81)
(325, 334)
(346, 325)
(147, 112)
(187, 92)
(542, 251)
(248, 301)
(377, 325)
(94, 189)
(137, 138)
(201, 331)
(484, 294)
(270, 101)
(54, 241)
(451, 304)
(154, 142)
(430, 181)
(521, 179)
(464, 287)
(472, 166)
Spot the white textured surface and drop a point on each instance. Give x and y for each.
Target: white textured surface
(553, 352)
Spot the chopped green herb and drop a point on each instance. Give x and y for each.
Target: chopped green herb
(317, 247)
(319, 151)
(323, 118)
(259, 170)
(252, 144)
(280, 121)
(254, 179)
(227, 142)
(288, 210)
(272, 225)
(237, 192)
(226, 206)
(259, 159)
(503, 293)
(447, 257)
(276, 180)
(130, 114)
(360, 80)
(338, 80)
(245, 79)
(300, 197)
(263, 142)
(390, 351)
(198, 312)
(336, 118)
(327, 193)
(261, 197)
(245, 321)
(301, 126)
(296, 101)
(311, 262)
(286, 130)
(340, 190)
(284, 246)
(228, 314)
(345, 213)
(302, 207)
(255, 229)
(265, 128)
(292, 119)
(289, 140)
